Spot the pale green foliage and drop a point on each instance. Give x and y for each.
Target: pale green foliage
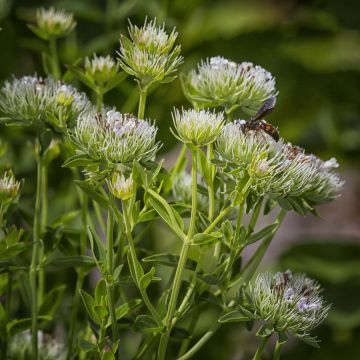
(221, 82)
(115, 137)
(198, 128)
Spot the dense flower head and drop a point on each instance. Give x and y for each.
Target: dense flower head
(291, 302)
(274, 168)
(197, 127)
(220, 82)
(115, 137)
(120, 186)
(52, 23)
(101, 68)
(9, 187)
(32, 98)
(150, 54)
(20, 347)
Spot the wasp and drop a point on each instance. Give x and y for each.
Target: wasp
(257, 122)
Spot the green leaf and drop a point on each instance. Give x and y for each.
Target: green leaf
(78, 160)
(124, 309)
(234, 316)
(205, 169)
(101, 311)
(91, 191)
(12, 250)
(70, 261)
(89, 304)
(265, 330)
(146, 324)
(97, 246)
(312, 341)
(209, 279)
(13, 236)
(169, 260)
(100, 291)
(206, 239)
(145, 280)
(52, 301)
(65, 218)
(17, 326)
(261, 234)
(135, 268)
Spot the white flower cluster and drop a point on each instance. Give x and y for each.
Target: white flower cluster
(52, 23)
(49, 348)
(274, 168)
(115, 137)
(221, 82)
(9, 187)
(291, 302)
(198, 128)
(32, 98)
(150, 55)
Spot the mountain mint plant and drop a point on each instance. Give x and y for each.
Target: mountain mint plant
(240, 170)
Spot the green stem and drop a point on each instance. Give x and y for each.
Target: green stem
(142, 103)
(254, 217)
(261, 348)
(211, 193)
(110, 268)
(99, 101)
(278, 348)
(222, 214)
(132, 252)
(182, 262)
(35, 260)
(56, 73)
(80, 276)
(180, 160)
(204, 339)
(7, 310)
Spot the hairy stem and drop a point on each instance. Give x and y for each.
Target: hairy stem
(181, 265)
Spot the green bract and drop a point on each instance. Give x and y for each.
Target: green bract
(150, 54)
(198, 128)
(221, 82)
(52, 23)
(30, 99)
(115, 137)
(291, 303)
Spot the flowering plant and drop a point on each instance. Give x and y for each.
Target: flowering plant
(241, 170)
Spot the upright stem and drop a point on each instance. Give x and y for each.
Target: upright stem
(278, 348)
(99, 101)
(182, 262)
(261, 348)
(179, 160)
(110, 267)
(210, 185)
(35, 260)
(54, 59)
(80, 275)
(7, 310)
(142, 103)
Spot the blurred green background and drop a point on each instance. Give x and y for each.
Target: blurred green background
(313, 49)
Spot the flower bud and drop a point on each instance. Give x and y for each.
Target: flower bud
(198, 128)
(52, 23)
(221, 82)
(9, 188)
(150, 55)
(121, 187)
(291, 302)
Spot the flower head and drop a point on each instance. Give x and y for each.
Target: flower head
(49, 348)
(115, 137)
(150, 55)
(9, 188)
(101, 69)
(52, 23)
(221, 82)
(291, 302)
(198, 128)
(121, 187)
(32, 98)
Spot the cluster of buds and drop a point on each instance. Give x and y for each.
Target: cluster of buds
(31, 99)
(121, 187)
(114, 137)
(198, 128)
(9, 188)
(52, 23)
(20, 347)
(219, 82)
(290, 302)
(150, 55)
(274, 168)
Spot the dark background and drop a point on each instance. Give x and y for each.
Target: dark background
(313, 50)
